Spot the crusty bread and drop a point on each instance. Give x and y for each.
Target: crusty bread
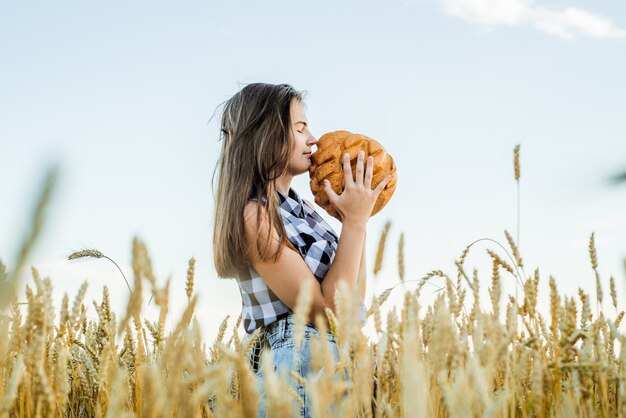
(327, 164)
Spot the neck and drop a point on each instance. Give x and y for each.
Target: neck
(283, 183)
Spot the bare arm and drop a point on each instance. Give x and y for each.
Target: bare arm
(361, 275)
(362, 280)
(347, 263)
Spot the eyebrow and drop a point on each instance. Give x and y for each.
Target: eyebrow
(305, 124)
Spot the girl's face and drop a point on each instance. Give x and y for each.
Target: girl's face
(302, 138)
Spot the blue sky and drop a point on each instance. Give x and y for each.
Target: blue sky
(121, 96)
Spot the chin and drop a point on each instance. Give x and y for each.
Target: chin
(304, 170)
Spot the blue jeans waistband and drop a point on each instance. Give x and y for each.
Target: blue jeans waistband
(284, 328)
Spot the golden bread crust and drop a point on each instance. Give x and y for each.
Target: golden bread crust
(327, 164)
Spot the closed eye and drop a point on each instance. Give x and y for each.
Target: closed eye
(304, 124)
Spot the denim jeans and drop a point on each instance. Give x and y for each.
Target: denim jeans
(279, 339)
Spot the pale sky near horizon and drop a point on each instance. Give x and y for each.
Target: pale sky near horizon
(121, 96)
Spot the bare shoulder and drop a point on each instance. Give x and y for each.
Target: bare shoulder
(252, 209)
(256, 227)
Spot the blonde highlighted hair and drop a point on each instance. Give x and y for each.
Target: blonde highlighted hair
(256, 148)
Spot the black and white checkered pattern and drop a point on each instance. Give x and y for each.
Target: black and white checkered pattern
(317, 243)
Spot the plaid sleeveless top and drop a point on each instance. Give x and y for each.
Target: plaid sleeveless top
(317, 243)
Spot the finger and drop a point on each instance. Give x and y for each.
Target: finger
(359, 167)
(329, 191)
(347, 169)
(382, 184)
(369, 172)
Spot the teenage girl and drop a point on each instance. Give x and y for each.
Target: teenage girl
(272, 241)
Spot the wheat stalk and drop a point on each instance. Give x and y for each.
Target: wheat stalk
(401, 257)
(381, 248)
(516, 172)
(190, 274)
(10, 280)
(594, 265)
(92, 253)
(613, 292)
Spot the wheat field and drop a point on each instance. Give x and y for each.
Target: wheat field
(456, 357)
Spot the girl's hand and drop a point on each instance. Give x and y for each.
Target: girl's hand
(356, 202)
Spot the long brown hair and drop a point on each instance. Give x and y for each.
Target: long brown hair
(256, 147)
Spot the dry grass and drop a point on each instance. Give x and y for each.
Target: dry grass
(432, 360)
(428, 360)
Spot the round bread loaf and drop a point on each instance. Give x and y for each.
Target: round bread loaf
(327, 164)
